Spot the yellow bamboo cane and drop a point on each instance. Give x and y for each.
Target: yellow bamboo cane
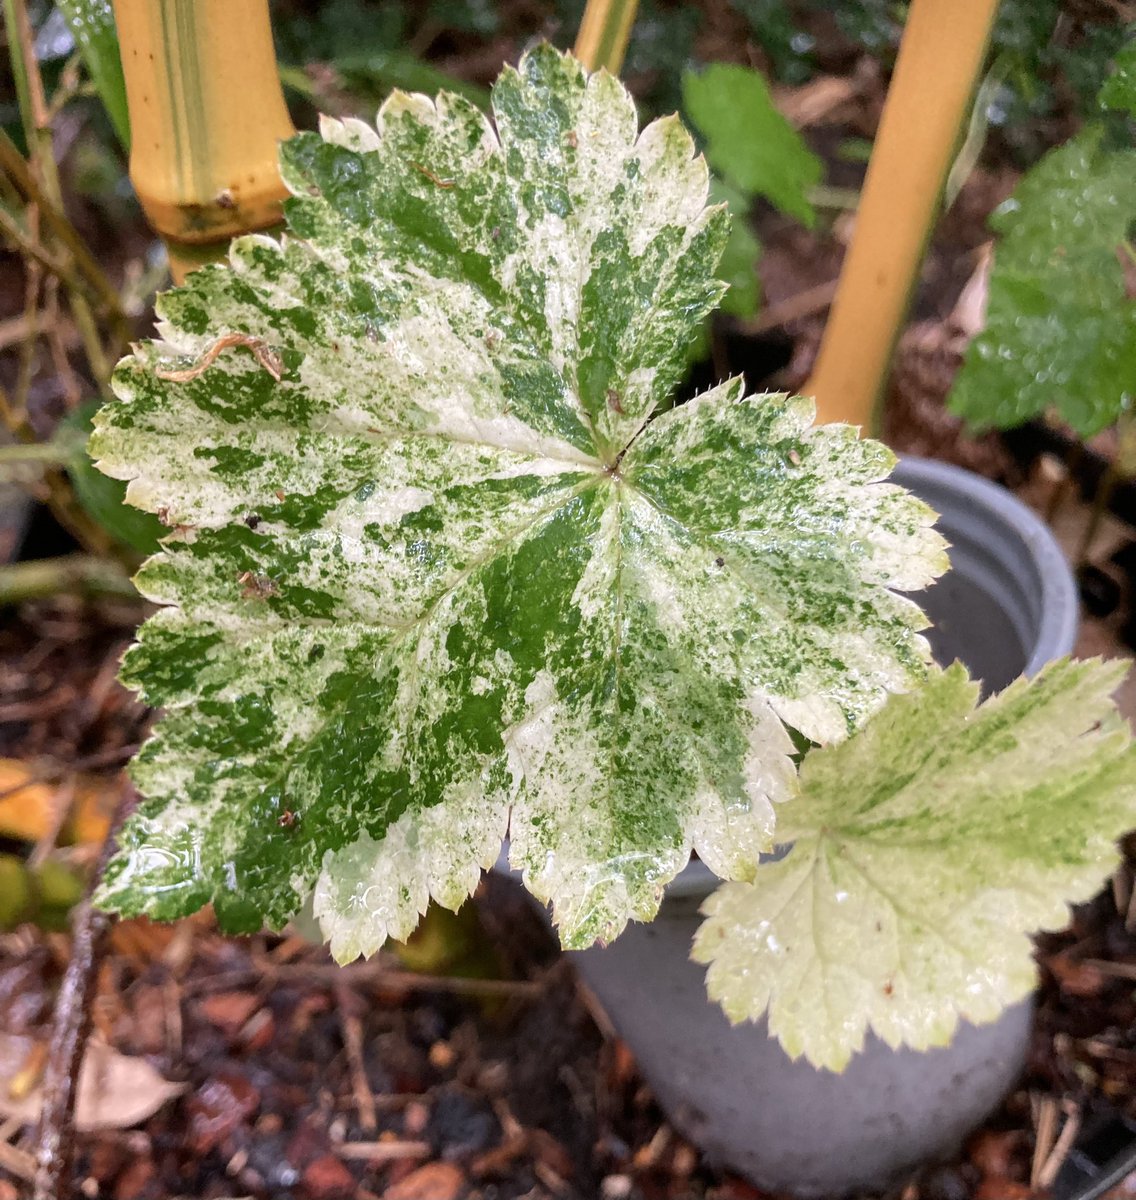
(207, 114)
(940, 56)
(604, 33)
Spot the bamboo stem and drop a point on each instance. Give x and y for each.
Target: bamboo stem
(940, 56)
(206, 113)
(604, 33)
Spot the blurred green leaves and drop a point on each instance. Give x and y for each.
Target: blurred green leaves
(92, 25)
(748, 142)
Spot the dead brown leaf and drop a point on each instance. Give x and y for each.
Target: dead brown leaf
(115, 1091)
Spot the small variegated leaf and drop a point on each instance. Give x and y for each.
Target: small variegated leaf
(437, 573)
(925, 851)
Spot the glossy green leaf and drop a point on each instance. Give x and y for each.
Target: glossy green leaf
(92, 26)
(445, 575)
(1119, 90)
(1060, 327)
(738, 265)
(926, 850)
(748, 142)
(102, 498)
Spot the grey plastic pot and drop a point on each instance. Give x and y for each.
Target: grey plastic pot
(1008, 606)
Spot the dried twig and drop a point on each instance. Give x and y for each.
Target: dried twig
(1047, 1175)
(1045, 1138)
(380, 1152)
(377, 973)
(793, 308)
(266, 357)
(352, 1028)
(55, 1135)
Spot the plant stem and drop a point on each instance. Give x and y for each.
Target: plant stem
(13, 165)
(41, 151)
(81, 574)
(604, 33)
(940, 56)
(35, 452)
(19, 71)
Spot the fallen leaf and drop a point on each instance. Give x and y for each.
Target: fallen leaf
(994, 1152)
(1003, 1189)
(229, 1011)
(1076, 977)
(217, 1108)
(27, 806)
(435, 1181)
(115, 1091)
(328, 1179)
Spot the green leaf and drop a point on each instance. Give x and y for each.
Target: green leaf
(374, 72)
(102, 498)
(92, 26)
(748, 141)
(926, 850)
(1060, 328)
(446, 575)
(1119, 90)
(738, 265)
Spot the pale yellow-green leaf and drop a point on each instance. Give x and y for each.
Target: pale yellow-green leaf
(926, 851)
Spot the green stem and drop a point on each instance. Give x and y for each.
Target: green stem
(36, 452)
(19, 71)
(76, 574)
(824, 196)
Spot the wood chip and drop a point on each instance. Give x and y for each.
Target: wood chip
(384, 1151)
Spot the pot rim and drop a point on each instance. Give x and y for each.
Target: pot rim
(1059, 602)
(1059, 606)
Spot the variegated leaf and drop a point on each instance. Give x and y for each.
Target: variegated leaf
(435, 576)
(926, 850)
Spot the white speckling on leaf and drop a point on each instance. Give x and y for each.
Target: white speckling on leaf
(450, 571)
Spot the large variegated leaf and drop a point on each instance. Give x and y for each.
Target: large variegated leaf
(434, 575)
(926, 850)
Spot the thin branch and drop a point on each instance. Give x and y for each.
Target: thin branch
(33, 282)
(13, 165)
(55, 1135)
(30, 248)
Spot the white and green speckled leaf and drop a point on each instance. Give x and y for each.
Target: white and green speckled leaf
(926, 850)
(445, 576)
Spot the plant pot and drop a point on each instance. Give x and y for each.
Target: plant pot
(1008, 606)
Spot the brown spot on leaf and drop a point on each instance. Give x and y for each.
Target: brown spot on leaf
(255, 586)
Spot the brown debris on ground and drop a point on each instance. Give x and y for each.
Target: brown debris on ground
(445, 1097)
